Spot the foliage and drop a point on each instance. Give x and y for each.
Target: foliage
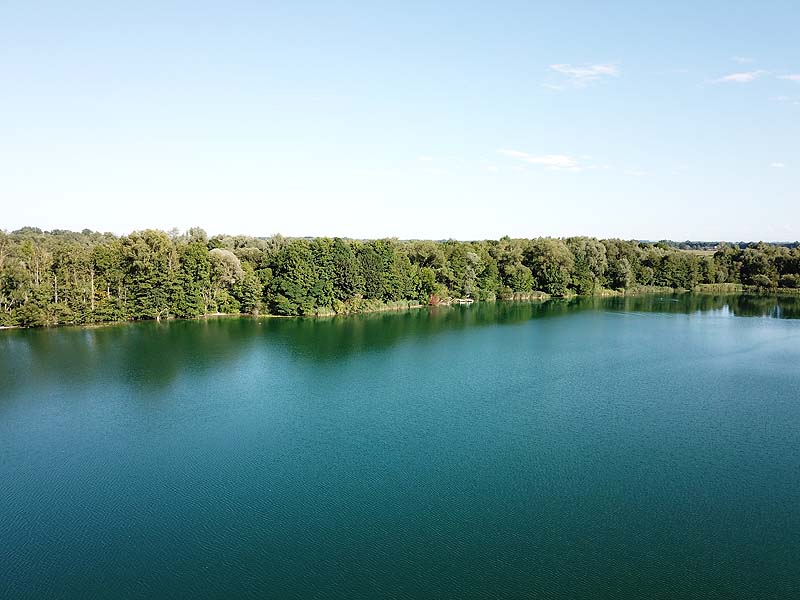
(48, 278)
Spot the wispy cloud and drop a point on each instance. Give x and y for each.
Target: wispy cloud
(582, 75)
(786, 99)
(425, 158)
(745, 77)
(777, 165)
(792, 77)
(563, 162)
(435, 171)
(743, 60)
(558, 162)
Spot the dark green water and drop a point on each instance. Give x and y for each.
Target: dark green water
(619, 448)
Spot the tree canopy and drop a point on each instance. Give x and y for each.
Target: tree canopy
(69, 277)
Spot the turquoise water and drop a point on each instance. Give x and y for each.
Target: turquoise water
(617, 448)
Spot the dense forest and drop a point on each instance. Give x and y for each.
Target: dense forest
(48, 278)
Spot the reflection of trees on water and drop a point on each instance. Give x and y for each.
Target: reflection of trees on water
(149, 356)
(786, 307)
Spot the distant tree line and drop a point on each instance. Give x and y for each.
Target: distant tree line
(712, 246)
(67, 277)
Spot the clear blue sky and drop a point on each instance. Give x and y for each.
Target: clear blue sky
(417, 120)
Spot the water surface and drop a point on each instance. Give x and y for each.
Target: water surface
(596, 448)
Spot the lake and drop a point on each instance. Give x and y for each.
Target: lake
(641, 447)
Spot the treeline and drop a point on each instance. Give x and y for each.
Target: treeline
(713, 246)
(54, 277)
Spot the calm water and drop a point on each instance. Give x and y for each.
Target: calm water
(619, 448)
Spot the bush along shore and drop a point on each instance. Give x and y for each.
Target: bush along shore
(64, 277)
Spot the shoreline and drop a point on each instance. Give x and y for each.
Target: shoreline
(727, 289)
